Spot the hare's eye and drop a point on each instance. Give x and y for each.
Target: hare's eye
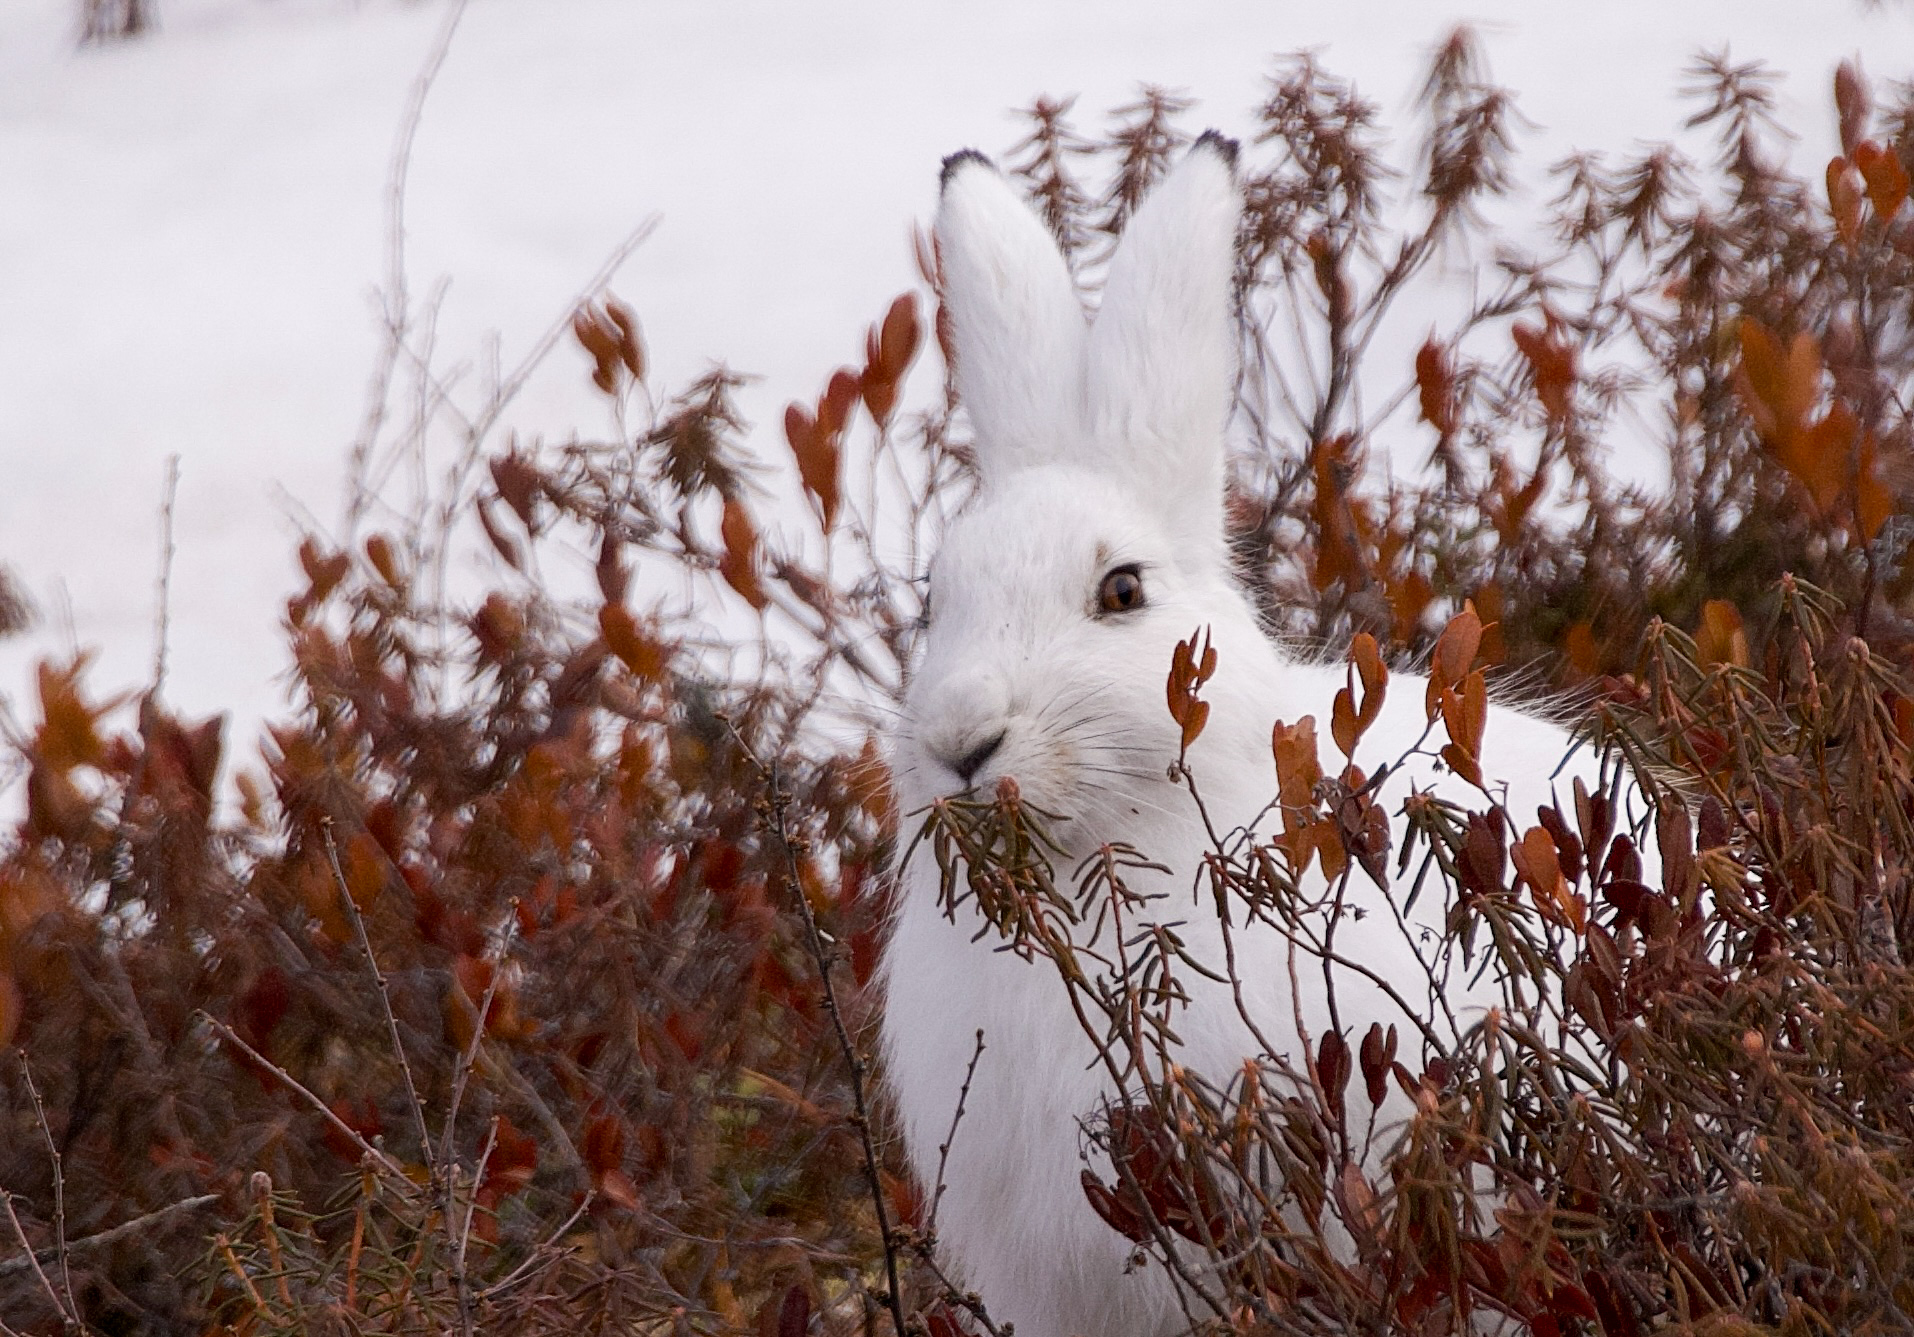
(1121, 591)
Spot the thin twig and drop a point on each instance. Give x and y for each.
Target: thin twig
(162, 612)
(105, 1237)
(525, 1269)
(396, 301)
(67, 1318)
(269, 1231)
(385, 992)
(460, 1282)
(385, 1161)
(956, 1118)
(238, 1270)
(59, 1186)
(469, 1058)
(772, 811)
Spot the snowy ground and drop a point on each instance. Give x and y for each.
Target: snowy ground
(190, 225)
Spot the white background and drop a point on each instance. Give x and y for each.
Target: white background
(190, 224)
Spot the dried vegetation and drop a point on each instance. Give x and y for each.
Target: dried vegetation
(526, 989)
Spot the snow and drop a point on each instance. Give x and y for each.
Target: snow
(191, 224)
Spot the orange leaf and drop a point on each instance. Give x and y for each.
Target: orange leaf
(1722, 639)
(1348, 722)
(1329, 848)
(1342, 723)
(1454, 652)
(1873, 503)
(11, 1006)
(1802, 384)
(1367, 657)
(1820, 456)
(839, 398)
(1844, 198)
(513, 1161)
(1760, 378)
(642, 655)
(1538, 864)
(816, 452)
(1579, 644)
(900, 336)
(739, 565)
(888, 350)
(379, 552)
(323, 570)
(1462, 764)
(1298, 770)
(1885, 176)
(1475, 711)
(616, 1188)
(69, 734)
(364, 866)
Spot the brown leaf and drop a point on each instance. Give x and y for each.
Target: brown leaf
(1551, 358)
(1333, 1068)
(1377, 1053)
(1298, 771)
(1435, 382)
(519, 485)
(787, 1314)
(1568, 845)
(1190, 668)
(513, 1162)
(631, 346)
(1116, 1214)
(1360, 1210)
(1480, 862)
(1851, 104)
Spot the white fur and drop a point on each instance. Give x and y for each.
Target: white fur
(1099, 446)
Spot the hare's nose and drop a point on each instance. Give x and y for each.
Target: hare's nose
(969, 762)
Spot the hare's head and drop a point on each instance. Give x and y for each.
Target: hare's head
(1095, 540)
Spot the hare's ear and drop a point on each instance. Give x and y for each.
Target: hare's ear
(1162, 360)
(1017, 328)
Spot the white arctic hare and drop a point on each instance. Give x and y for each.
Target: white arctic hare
(1094, 543)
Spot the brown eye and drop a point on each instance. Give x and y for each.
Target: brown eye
(1121, 591)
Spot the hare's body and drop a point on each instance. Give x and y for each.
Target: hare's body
(1014, 1219)
(1095, 545)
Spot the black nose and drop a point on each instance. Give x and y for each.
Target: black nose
(973, 761)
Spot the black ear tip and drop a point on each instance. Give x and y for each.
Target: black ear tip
(1214, 140)
(957, 161)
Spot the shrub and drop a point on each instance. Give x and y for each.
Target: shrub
(528, 988)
